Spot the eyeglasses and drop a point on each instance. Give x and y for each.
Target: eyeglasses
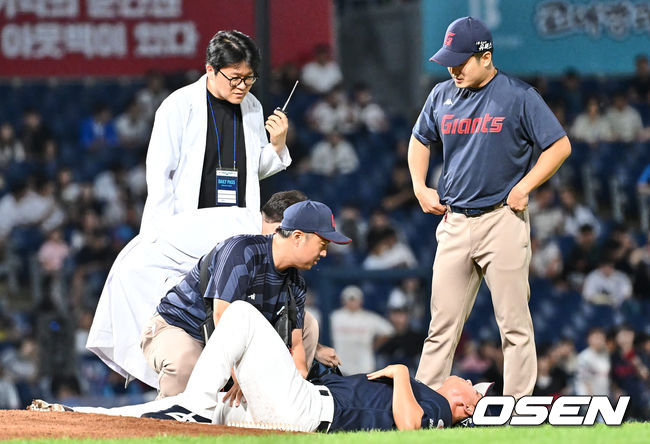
(236, 81)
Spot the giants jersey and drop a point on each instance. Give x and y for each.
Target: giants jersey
(241, 269)
(360, 404)
(487, 135)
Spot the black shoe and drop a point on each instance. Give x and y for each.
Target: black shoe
(178, 413)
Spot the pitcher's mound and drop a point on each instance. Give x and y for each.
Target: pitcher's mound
(26, 424)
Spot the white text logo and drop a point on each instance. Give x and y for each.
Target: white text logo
(565, 410)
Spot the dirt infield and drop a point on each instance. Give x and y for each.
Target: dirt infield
(25, 424)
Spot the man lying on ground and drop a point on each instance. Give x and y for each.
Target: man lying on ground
(277, 394)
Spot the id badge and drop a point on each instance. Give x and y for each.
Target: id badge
(227, 186)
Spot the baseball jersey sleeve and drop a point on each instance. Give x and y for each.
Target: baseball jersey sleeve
(425, 129)
(538, 121)
(437, 413)
(431, 418)
(230, 272)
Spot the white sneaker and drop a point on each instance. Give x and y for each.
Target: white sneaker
(38, 405)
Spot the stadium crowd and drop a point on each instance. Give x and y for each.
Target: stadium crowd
(72, 188)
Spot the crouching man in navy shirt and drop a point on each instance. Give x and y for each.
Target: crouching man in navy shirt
(277, 394)
(260, 270)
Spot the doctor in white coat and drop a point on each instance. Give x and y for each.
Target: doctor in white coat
(183, 138)
(216, 114)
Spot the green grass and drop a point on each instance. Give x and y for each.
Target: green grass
(627, 433)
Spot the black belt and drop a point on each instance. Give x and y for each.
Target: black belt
(474, 212)
(324, 425)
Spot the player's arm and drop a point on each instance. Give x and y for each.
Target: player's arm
(407, 413)
(418, 160)
(548, 163)
(297, 346)
(298, 352)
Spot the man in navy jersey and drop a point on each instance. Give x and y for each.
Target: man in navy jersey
(256, 269)
(488, 126)
(279, 397)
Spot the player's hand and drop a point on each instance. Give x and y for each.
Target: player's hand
(388, 372)
(277, 125)
(327, 355)
(235, 395)
(430, 200)
(517, 199)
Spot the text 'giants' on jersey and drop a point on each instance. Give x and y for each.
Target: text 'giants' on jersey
(484, 124)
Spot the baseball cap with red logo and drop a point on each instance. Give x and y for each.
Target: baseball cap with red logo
(464, 37)
(312, 217)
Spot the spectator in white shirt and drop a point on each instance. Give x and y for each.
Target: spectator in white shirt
(624, 121)
(592, 376)
(546, 260)
(11, 149)
(321, 74)
(153, 94)
(133, 127)
(576, 214)
(367, 114)
(606, 285)
(333, 156)
(387, 251)
(24, 207)
(357, 333)
(331, 112)
(545, 216)
(591, 126)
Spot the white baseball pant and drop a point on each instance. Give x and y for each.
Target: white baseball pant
(274, 390)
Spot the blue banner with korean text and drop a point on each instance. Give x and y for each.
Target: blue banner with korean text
(548, 36)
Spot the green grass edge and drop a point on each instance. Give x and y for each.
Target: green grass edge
(628, 433)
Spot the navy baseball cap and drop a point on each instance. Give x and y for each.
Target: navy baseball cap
(312, 217)
(464, 37)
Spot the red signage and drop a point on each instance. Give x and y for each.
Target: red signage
(45, 38)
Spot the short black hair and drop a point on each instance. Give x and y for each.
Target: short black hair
(273, 209)
(231, 48)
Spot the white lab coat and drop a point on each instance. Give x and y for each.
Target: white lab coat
(143, 273)
(177, 148)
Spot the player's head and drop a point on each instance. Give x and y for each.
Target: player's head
(467, 52)
(462, 396)
(232, 60)
(306, 229)
(273, 209)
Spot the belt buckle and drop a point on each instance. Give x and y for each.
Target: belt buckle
(472, 212)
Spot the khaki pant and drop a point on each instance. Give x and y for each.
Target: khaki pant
(496, 246)
(172, 352)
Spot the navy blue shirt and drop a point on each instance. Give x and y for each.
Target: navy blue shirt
(487, 135)
(360, 404)
(241, 269)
